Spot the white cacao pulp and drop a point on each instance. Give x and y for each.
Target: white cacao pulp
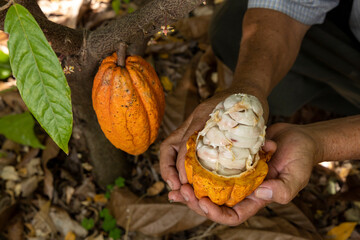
(231, 139)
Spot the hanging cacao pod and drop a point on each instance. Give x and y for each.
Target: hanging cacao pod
(129, 103)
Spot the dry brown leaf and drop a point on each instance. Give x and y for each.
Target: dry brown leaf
(156, 188)
(86, 190)
(51, 151)
(151, 216)
(195, 28)
(28, 186)
(7, 209)
(293, 214)
(69, 191)
(9, 173)
(11, 146)
(252, 234)
(16, 228)
(70, 236)
(100, 198)
(42, 223)
(342, 231)
(7, 158)
(183, 100)
(65, 224)
(14, 100)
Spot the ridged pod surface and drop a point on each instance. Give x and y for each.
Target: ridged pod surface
(129, 103)
(223, 190)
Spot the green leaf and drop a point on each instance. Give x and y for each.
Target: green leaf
(109, 224)
(130, 10)
(120, 182)
(87, 223)
(115, 4)
(105, 213)
(20, 129)
(40, 79)
(115, 233)
(126, 1)
(110, 187)
(107, 194)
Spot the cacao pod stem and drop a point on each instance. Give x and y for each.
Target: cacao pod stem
(121, 54)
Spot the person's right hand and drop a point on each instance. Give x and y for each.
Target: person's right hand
(173, 150)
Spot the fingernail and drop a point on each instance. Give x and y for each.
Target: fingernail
(264, 193)
(186, 197)
(205, 210)
(170, 184)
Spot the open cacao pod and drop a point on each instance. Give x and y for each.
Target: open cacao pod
(224, 161)
(129, 103)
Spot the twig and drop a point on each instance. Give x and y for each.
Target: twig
(129, 217)
(6, 5)
(206, 233)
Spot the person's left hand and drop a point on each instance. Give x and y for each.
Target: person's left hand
(289, 172)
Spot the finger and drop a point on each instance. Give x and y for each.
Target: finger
(176, 196)
(168, 155)
(190, 199)
(269, 146)
(180, 163)
(231, 216)
(280, 190)
(168, 168)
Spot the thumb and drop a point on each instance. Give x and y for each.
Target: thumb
(278, 190)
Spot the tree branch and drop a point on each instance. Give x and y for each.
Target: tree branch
(135, 27)
(132, 28)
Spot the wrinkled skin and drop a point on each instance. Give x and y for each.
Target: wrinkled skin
(289, 168)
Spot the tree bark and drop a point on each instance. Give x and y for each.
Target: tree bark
(84, 50)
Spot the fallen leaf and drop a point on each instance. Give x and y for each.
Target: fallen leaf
(51, 150)
(342, 231)
(100, 198)
(85, 190)
(42, 223)
(194, 28)
(65, 224)
(15, 228)
(9, 173)
(183, 100)
(252, 234)
(69, 191)
(151, 216)
(28, 186)
(34, 167)
(7, 209)
(156, 188)
(87, 166)
(70, 236)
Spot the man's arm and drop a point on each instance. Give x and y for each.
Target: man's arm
(269, 46)
(337, 139)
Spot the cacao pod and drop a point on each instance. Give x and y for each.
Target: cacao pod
(129, 103)
(224, 161)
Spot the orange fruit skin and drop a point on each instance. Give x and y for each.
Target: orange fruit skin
(222, 190)
(129, 103)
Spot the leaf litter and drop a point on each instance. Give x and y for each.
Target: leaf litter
(48, 195)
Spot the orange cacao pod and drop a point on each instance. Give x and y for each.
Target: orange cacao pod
(224, 161)
(129, 103)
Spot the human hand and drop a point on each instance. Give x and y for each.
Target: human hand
(173, 150)
(289, 172)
